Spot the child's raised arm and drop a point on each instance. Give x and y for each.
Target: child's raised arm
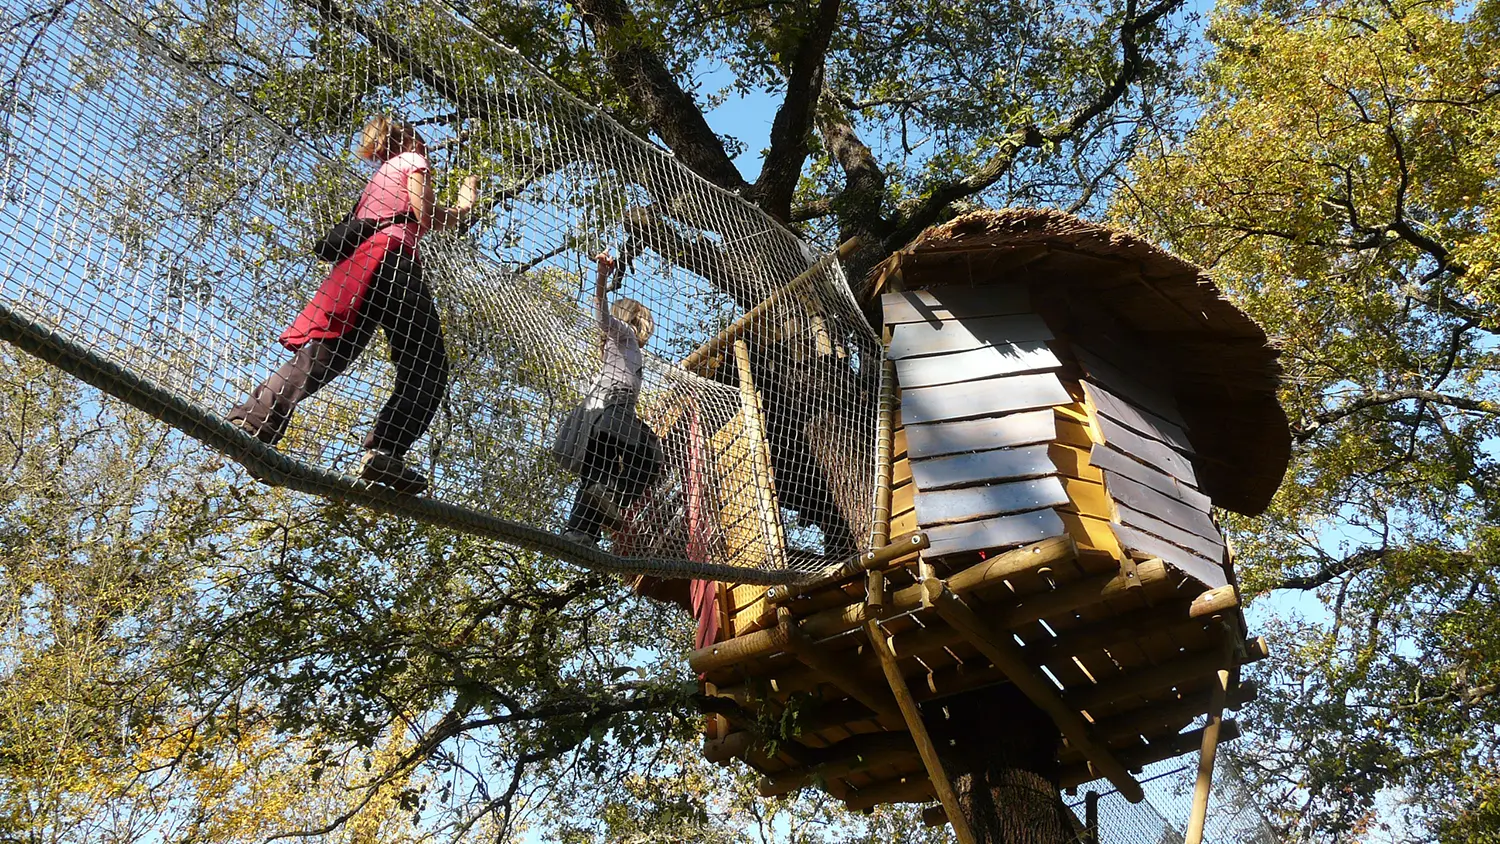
(601, 288)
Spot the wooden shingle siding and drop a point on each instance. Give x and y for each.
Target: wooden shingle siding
(1142, 422)
(1148, 451)
(983, 467)
(1209, 572)
(990, 397)
(961, 505)
(1147, 500)
(1208, 547)
(1153, 397)
(976, 434)
(1107, 457)
(999, 359)
(1002, 532)
(946, 303)
(920, 338)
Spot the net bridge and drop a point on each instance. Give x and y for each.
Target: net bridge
(167, 169)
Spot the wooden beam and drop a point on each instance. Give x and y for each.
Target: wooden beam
(840, 673)
(1137, 683)
(896, 549)
(1100, 634)
(1209, 749)
(760, 456)
(1076, 775)
(695, 362)
(925, 747)
(830, 622)
(1215, 601)
(1001, 650)
(1156, 714)
(914, 788)
(847, 757)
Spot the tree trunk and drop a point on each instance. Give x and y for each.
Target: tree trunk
(1001, 752)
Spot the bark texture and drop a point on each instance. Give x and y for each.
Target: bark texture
(1001, 751)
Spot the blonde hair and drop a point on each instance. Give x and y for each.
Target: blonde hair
(384, 137)
(635, 315)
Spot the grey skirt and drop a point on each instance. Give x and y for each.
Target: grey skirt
(613, 421)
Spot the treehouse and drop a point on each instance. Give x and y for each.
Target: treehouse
(1061, 407)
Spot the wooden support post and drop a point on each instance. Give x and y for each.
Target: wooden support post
(1206, 755)
(919, 734)
(875, 591)
(1091, 816)
(760, 452)
(1000, 649)
(880, 516)
(838, 672)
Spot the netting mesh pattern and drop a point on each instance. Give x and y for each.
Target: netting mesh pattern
(1162, 818)
(166, 168)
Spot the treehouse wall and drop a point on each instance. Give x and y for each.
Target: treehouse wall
(1011, 432)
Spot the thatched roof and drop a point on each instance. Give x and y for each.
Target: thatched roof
(1107, 287)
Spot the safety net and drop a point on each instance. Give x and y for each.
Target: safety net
(168, 168)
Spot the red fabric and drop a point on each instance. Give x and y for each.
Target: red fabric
(334, 309)
(703, 593)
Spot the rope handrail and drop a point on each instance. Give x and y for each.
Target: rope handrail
(163, 176)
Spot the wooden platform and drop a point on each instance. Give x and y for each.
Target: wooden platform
(1129, 656)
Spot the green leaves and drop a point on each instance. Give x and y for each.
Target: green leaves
(1338, 181)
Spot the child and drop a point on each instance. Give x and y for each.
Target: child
(616, 455)
(379, 285)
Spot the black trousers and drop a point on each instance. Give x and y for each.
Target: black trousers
(628, 462)
(398, 302)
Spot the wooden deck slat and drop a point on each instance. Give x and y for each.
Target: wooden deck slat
(970, 503)
(1207, 572)
(1131, 387)
(1001, 532)
(921, 338)
(1208, 548)
(989, 397)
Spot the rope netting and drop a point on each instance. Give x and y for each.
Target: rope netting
(166, 168)
(1234, 816)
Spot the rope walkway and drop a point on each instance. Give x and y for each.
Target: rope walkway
(165, 170)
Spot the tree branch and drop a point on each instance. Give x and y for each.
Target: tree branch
(794, 119)
(395, 51)
(670, 111)
(920, 213)
(1304, 432)
(1332, 570)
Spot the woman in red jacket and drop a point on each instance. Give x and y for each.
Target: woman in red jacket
(379, 285)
